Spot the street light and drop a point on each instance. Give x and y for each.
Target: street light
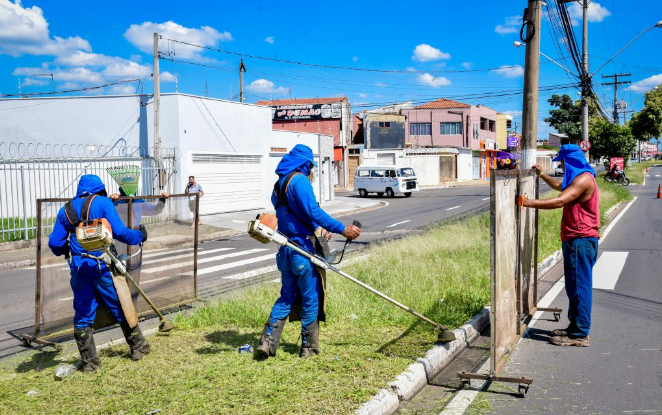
(656, 25)
(52, 81)
(518, 44)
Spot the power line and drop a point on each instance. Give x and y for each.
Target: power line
(68, 91)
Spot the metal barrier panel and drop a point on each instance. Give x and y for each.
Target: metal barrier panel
(527, 236)
(165, 270)
(504, 266)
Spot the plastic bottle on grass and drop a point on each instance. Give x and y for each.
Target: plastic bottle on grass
(246, 348)
(62, 371)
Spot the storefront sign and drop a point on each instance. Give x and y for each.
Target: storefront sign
(618, 161)
(307, 111)
(512, 141)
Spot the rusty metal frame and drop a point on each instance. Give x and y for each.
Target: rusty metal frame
(28, 339)
(523, 383)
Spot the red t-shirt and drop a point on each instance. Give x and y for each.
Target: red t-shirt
(582, 219)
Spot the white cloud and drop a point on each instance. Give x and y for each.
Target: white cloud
(362, 95)
(167, 77)
(510, 71)
(647, 84)
(426, 53)
(68, 75)
(34, 82)
(380, 84)
(142, 37)
(24, 31)
(514, 113)
(467, 65)
(595, 13)
(270, 40)
(265, 86)
(429, 80)
(69, 85)
(511, 24)
(123, 89)
(355, 58)
(411, 69)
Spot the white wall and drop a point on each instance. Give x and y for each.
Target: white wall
(464, 165)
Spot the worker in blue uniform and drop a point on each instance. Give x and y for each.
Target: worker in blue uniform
(91, 280)
(299, 217)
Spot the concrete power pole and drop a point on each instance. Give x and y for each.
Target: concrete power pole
(531, 70)
(242, 69)
(158, 184)
(616, 83)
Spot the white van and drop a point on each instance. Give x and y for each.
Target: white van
(391, 180)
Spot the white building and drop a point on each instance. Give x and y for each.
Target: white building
(229, 147)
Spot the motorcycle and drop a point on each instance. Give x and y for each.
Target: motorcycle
(617, 176)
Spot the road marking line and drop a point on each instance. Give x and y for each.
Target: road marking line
(252, 273)
(157, 279)
(454, 207)
(399, 223)
(487, 198)
(236, 264)
(202, 261)
(657, 175)
(608, 269)
(157, 252)
(238, 221)
(172, 258)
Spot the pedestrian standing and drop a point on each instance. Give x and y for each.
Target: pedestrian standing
(192, 189)
(580, 223)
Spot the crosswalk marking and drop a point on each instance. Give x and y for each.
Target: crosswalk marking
(203, 260)
(189, 255)
(252, 273)
(236, 264)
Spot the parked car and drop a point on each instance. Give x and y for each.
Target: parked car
(389, 180)
(558, 171)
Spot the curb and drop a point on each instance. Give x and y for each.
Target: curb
(415, 377)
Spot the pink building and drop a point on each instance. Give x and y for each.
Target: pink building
(444, 123)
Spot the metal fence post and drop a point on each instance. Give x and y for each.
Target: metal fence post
(25, 208)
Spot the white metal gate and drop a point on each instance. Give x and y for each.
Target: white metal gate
(231, 182)
(386, 159)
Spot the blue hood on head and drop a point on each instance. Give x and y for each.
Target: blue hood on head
(298, 159)
(89, 185)
(575, 163)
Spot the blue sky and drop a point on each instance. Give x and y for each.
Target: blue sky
(90, 43)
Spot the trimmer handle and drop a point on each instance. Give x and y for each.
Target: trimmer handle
(357, 224)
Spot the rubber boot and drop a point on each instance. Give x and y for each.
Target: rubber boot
(311, 341)
(268, 344)
(136, 341)
(87, 348)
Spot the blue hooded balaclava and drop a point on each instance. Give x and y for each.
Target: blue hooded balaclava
(298, 159)
(575, 163)
(89, 184)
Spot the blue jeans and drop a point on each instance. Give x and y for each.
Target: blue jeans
(579, 256)
(300, 280)
(90, 289)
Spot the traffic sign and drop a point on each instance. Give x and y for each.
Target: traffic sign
(585, 145)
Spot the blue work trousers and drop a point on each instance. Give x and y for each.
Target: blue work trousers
(90, 289)
(300, 280)
(579, 256)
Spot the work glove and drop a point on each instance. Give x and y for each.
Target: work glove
(143, 230)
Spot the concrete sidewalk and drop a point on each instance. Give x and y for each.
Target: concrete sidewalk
(621, 371)
(342, 205)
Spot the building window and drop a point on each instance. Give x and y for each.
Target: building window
(484, 124)
(420, 128)
(492, 125)
(384, 124)
(450, 128)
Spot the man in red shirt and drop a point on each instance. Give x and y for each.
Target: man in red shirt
(580, 201)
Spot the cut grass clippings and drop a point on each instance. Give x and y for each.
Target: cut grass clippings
(365, 344)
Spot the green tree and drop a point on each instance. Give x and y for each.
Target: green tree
(648, 122)
(610, 140)
(567, 117)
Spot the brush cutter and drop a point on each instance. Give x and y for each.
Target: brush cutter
(97, 236)
(264, 229)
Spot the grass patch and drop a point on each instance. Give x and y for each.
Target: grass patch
(635, 171)
(13, 229)
(480, 406)
(367, 342)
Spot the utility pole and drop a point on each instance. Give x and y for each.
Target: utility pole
(206, 90)
(242, 69)
(616, 83)
(158, 185)
(531, 71)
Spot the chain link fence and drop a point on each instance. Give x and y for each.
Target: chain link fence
(31, 171)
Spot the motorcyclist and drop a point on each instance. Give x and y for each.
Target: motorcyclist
(91, 280)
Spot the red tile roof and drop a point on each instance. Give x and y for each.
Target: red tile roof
(443, 103)
(302, 101)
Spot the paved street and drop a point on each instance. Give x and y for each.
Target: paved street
(231, 263)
